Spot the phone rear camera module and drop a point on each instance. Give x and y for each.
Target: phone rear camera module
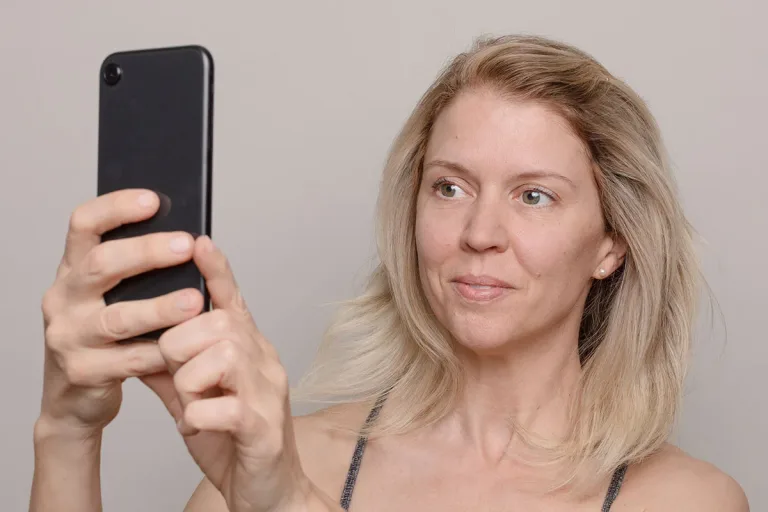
(112, 73)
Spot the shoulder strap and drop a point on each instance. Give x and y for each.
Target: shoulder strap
(357, 457)
(614, 488)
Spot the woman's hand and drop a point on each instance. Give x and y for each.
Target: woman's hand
(84, 364)
(228, 392)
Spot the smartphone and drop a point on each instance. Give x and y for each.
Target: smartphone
(156, 132)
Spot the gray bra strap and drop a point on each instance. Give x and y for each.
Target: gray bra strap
(357, 457)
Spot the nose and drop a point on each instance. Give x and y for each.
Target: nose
(485, 228)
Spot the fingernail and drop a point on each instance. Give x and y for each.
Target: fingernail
(208, 244)
(180, 244)
(146, 199)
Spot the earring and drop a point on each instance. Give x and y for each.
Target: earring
(602, 272)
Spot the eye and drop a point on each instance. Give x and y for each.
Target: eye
(447, 189)
(536, 197)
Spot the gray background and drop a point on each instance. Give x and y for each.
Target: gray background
(308, 97)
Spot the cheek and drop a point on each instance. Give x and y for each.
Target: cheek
(555, 253)
(436, 238)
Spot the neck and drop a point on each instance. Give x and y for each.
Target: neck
(528, 384)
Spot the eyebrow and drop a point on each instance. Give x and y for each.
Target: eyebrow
(531, 174)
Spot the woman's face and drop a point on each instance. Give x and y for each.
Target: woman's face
(509, 229)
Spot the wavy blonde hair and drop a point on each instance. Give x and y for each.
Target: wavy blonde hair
(637, 324)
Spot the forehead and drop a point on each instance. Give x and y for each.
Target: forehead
(488, 133)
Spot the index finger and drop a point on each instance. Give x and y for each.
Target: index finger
(219, 279)
(105, 212)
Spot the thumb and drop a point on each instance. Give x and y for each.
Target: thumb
(162, 385)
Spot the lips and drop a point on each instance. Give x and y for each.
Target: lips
(481, 288)
(482, 281)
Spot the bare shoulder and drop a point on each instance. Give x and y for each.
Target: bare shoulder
(672, 480)
(325, 440)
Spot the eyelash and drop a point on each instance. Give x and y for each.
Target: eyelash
(541, 190)
(440, 182)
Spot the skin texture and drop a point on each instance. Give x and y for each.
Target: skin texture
(507, 192)
(217, 375)
(484, 208)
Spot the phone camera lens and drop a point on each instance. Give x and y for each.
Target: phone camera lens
(112, 73)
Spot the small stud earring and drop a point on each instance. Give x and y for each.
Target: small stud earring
(602, 272)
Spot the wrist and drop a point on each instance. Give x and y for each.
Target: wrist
(67, 467)
(48, 429)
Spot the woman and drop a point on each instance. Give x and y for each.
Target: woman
(521, 346)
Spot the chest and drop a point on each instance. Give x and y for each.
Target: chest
(419, 489)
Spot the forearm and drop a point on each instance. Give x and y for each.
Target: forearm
(67, 471)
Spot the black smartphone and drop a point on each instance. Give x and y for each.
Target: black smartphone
(156, 132)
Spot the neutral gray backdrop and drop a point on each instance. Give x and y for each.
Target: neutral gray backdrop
(308, 98)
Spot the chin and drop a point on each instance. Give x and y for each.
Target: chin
(483, 335)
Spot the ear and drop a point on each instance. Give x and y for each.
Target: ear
(611, 256)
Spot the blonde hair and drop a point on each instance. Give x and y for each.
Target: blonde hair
(637, 324)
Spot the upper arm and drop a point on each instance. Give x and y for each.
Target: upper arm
(206, 498)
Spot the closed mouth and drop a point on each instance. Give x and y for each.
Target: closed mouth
(482, 282)
(480, 289)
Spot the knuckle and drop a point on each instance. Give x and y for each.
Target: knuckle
(138, 362)
(269, 350)
(182, 383)
(80, 221)
(228, 352)
(57, 334)
(49, 303)
(164, 343)
(275, 373)
(97, 262)
(219, 320)
(112, 322)
(76, 371)
(188, 415)
(169, 349)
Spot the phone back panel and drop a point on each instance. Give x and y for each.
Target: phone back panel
(155, 132)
